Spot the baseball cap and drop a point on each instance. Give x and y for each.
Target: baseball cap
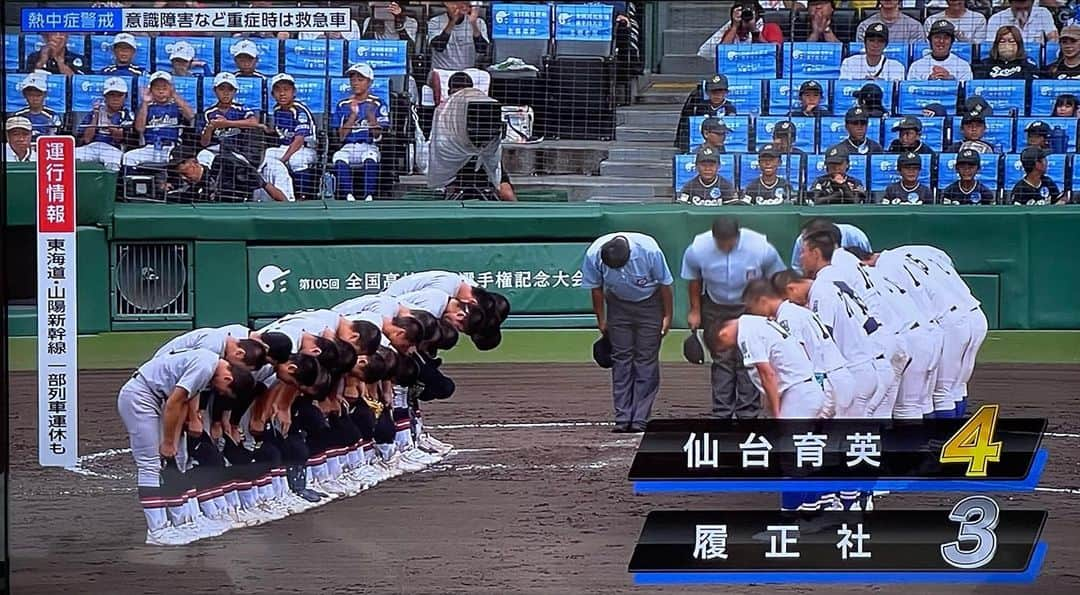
(160, 75)
(856, 114)
(785, 128)
(810, 86)
(934, 110)
(1071, 32)
(878, 30)
(363, 70)
(977, 105)
(16, 123)
(942, 26)
(972, 117)
(706, 155)
(836, 156)
(126, 38)
(870, 92)
(1038, 127)
(115, 84)
(908, 123)
(907, 159)
(1031, 155)
(692, 349)
(226, 78)
(181, 50)
(35, 80)
(601, 352)
(245, 47)
(967, 156)
(769, 150)
(718, 82)
(283, 77)
(713, 125)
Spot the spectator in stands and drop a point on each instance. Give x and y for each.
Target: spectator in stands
(360, 120)
(769, 188)
(1035, 188)
(872, 63)
(745, 26)
(966, 190)
(34, 88)
(55, 58)
(1007, 59)
(908, 190)
(821, 27)
(402, 27)
(457, 38)
(246, 54)
(836, 187)
(18, 147)
(810, 101)
(970, 25)
(941, 63)
(226, 119)
(714, 133)
(1067, 65)
(1065, 106)
(856, 121)
(707, 187)
(910, 137)
(902, 28)
(871, 98)
(719, 105)
(229, 177)
(1038, 135)
(161, 117)
(783, 138)
(123, 48)
(295, 128)
(973, 127)
(103, 130)
(182, 59)
(1035, 23)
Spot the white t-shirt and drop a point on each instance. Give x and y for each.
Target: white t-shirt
(445, 281)
(808, 328)
(856, 67)
(762, 340)
(210, 339)
(970, 26)
(845, 317)
(190, 369)
(920, 69)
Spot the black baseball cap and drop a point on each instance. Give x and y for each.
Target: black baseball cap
(907, 159)
(601, 352)
(713, 125)
(718, 82)
(908, 123)
(836, 156)
(972, 117)
(869, 92)
(1031, 155)
(810, 86)
(1038, 127)
(856, 114)
(769, 151)
(934, 110)
(785, 128)
(878, 30)
(942, 26)
(706, 155)
(968, 156)
(978, 105)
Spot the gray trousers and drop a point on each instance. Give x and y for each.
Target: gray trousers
(733, 393)
(634, 331)
(141, 413)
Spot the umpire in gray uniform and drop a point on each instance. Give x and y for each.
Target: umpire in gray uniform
(718, 264)
(628, 274)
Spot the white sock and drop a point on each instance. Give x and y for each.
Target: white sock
(322, 472)
(403, 439)
(367, 454)
(156, 518)
(266, 493)
(385, 451)
(355, 457)
(232, 500)
(178, 515)
(220, 506)
(281, 487)
(247, 498)
(333, 466)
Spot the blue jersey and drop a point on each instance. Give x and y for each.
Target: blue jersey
(361, 132)
(123, 69)
(122, 118)
(232, 111)
(44, 122)
(162, 123)
(292, 121)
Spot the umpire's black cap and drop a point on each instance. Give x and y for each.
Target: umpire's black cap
(692, 349)
(601, 352)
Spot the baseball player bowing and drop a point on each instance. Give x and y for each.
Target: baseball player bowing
(630, 283)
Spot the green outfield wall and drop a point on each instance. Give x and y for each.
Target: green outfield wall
(252, 262)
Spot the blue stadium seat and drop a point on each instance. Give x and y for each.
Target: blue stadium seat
(983, 49)
(205, 51)
(883, 171)
(815, 168)
(738, 136)
(685, 170)
(389, 59)
(1014, 170)
(745, 93)
(315, 57)
(999, 132)
(790, 169)
(76, 43)
(1066, 124)
(86, 88)
(521, 31)
(188, 88)
(1049, 54)
(1044, 92)
(843, 95)
(933, 132)
(269, 62)
(250, 94)
(101, 54)
(584, 29)
(833, 131)
(311, 91)
(751, 60)
(341, 89)
(55, 98)
(965, 51)
(1002, 95)
(812, 60)
(805, 131)
(784, 95)
(12, 55)
(988, 170)
(901, 52)
(916, 94)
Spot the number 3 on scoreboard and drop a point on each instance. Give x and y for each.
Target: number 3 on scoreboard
(973, 443)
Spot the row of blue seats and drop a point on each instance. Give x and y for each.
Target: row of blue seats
(876, 172)
(780, 96)
(818, 134)
(78, 93)
(299, 57)
(818, 59)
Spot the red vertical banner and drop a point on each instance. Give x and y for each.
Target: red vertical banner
(56, 184)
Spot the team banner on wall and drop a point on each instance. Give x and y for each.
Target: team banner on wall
(537, 278)
(57, 339)
(154, 20)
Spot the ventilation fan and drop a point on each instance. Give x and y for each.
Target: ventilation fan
(151, 279)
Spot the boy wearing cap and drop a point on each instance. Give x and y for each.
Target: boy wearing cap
(856, 121)
(55, 58)
(940, 63)
(908, 190)
(836, 187)
(810, 101)
(970, 25)
(159, 119)
(103, 130)
(966, 190)
(1038, 135)
(973, 127)
(123, 49)
(717, 90)
(1068, 62)
(714, 133)
(226, 118)
(871, 63)
(909, 138)
(769, 188)
(360, 121)
(707, 188)
(245, 54)
(42, 119)
(182, 60)
(870, 97)
(294, 125)
(18, 147)
(783, 138)
(902, 28)
(1035, 188)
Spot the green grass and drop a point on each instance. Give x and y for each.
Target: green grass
(128, 350)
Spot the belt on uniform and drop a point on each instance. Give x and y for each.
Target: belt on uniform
(804, 381)
(136, 375)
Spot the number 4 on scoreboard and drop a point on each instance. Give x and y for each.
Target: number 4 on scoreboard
(973, 443)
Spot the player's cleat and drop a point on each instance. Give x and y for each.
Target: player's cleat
(431, 444)
(400, 462)
(423, 458)
(167, 536)
(310, 496)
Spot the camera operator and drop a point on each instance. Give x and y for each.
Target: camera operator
(746, 26)
(229, 177)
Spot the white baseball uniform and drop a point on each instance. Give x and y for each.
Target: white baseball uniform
(433, 301)
(210, 339)
(297, 324)
(837, 381)
(764, 341)
(446, 281)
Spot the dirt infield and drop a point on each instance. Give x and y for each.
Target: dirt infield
(534, 503)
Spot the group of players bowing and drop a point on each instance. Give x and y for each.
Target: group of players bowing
(234, 427)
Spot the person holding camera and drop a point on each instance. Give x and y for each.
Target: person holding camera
(746, 26)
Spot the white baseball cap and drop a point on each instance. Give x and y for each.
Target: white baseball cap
(35, 80)
(363, 70)
(127, 38)
(18, 122)
(115, 84)
(160, 75)
(181, 50)
(226, 78)
(246, 47)
(283, 77)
